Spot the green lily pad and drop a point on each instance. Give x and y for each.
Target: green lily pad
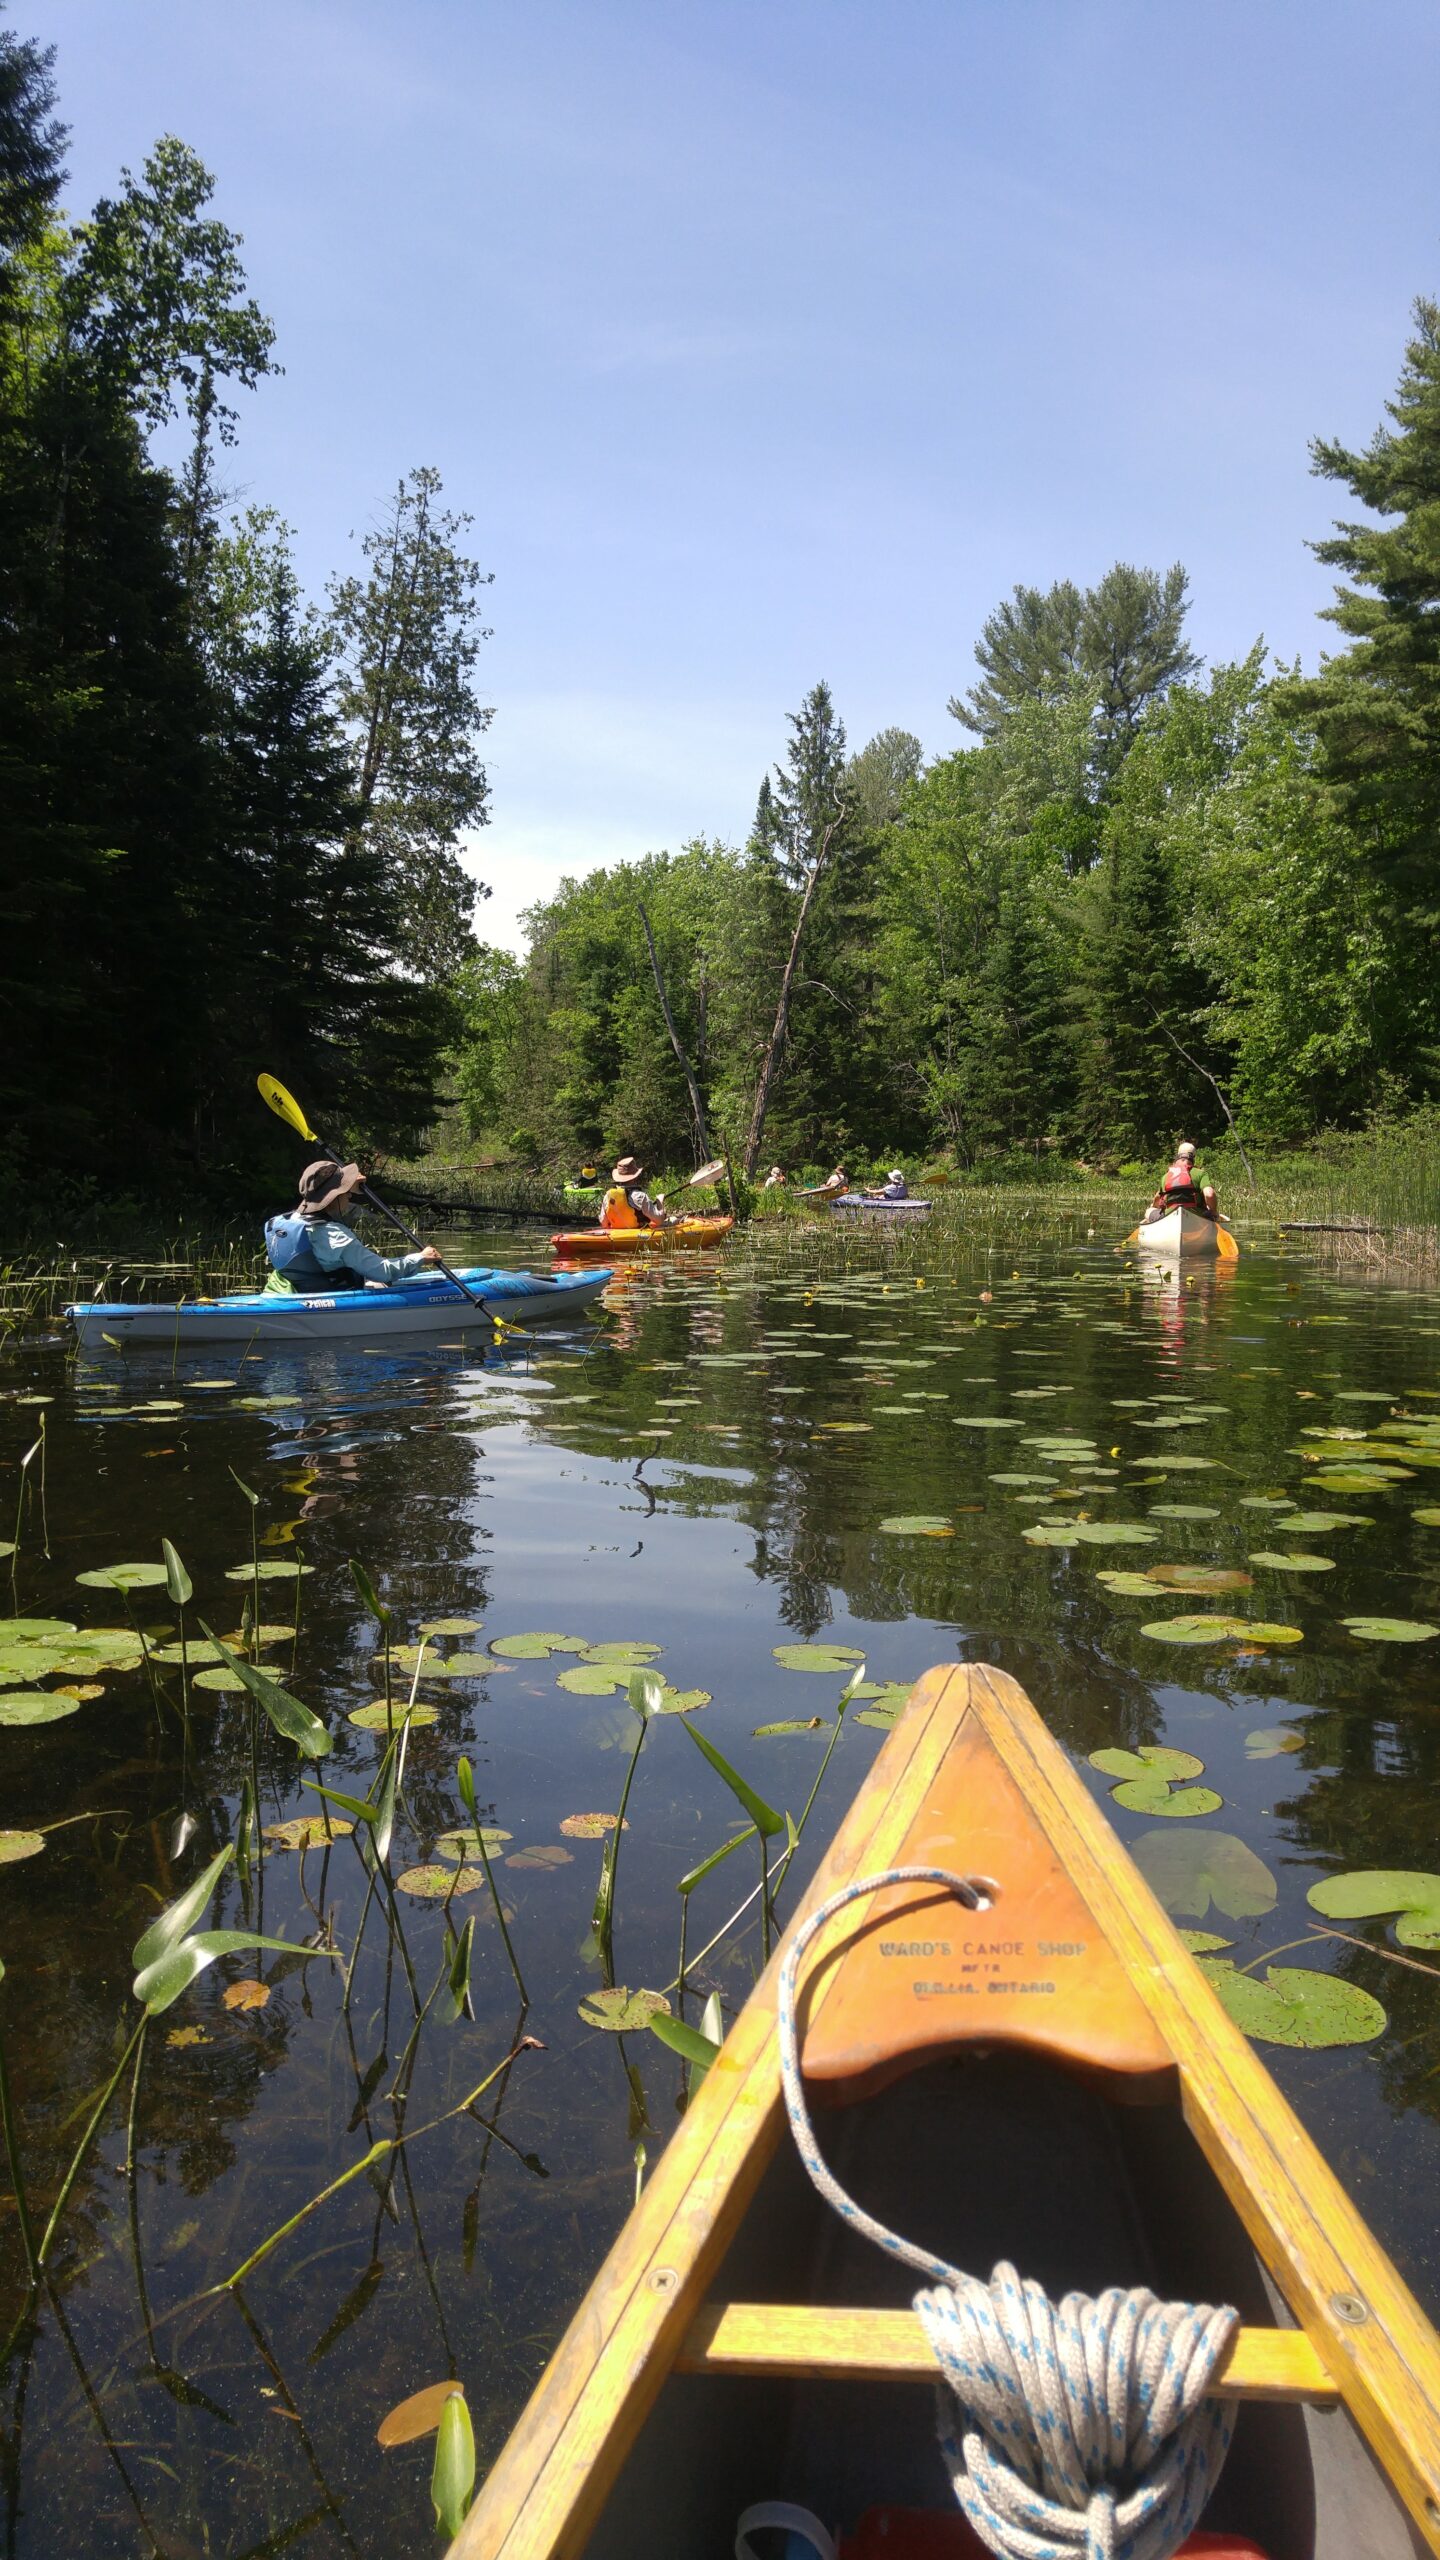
(222, 1678)
(535, 1647)
(617, 2010)
(1367, 1891)
(1317, 1524)
(1349, 1480)
(308, 1831)
(1202, 1942)
(1128, 1586)
(681, 1702)
(1273, 1561)
(456, 1846)
(451, 1626)
(1154, 1795)
(995, 1477)
(1270, 1741)
(1116, 1533)
(835, 1659)
(1052, 1533)
(1189, 1871)
(620, 1649)
(1267, 1502)
(123, 1577)
(1168, 1465)
(1294, 2006)
(1428, 1518)
(924, 1524)
(1197, 1627)
(596, 1679)
(1390, 1630)
(1183, 1511)
(437, 1883)
(277, 1569)
(195, 1649)
(881, 1717)
(373, 1719)
(36, 1706)
(792, 1724)
(15, 1631)
(989, 1421)
(1267, 1631)
(1199, 1577)
(1152, 1760)
(15, 1845)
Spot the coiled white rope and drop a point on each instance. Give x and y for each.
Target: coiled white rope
(1074, 2433)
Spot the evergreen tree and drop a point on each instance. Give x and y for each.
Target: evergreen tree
(1375, 708)
(1140, 992)
(406, 638)
(32, 140)
(1122, 641)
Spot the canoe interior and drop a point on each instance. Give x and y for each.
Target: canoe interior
(978, 2158)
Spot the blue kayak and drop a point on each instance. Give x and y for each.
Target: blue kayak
(423, 1304)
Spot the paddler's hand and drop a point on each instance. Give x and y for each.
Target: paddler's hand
(428, 1253)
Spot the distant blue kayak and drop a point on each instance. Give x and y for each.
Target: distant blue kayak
(419, 1305)
(854, 1203)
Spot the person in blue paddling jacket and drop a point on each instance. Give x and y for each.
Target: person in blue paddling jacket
(312, 1250)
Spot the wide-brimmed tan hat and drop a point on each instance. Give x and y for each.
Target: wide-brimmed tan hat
(325, 1182)
(629, 1169)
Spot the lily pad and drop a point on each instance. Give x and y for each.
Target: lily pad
(457, 1846)
(436, 1883)
(1390, 1630)
(538, 1854)
(792, 1724)
(15, 1845)
(245, 1995)
(1427, 1517)
(1202, 1942)
(535, 1647)
(1052, 1533)
(36, 1706)
(222, 1678)
(885, 1693)
(680, 1702)
(15, 1631)
(196, 1649)
(451, 1626)
(588, 1826)
(123, 1577)
(374, 1719)
(1271, 1741)
(1317, 1524)
(836, 1659)
(1154, 1795)
(1200, 1577)
(276, 1569)
(595, 1679)
(618, 2010)
(989, 1421)
(1152, 1760)
(1183, 1511)
(1348, 1480)
(308, 1831)
(1128, 1586)
(1294, 2006)
(1189, 1871)
(1116, 1533)
(620, 1649)
(1366, 1891)
(1274, 1561)
(1198, 1627)
(924, 1524)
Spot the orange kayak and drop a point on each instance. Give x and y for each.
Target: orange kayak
(611, 1240)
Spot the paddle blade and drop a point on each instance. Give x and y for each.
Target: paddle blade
(707, 1173)
(285, 1106)
(1227, 1245)
(1132, 1239)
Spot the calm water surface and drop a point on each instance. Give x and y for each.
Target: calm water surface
(708, 1474)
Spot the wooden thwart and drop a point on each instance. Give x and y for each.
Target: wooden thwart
(790, 2339)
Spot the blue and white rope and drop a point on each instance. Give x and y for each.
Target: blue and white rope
(1077, 2432)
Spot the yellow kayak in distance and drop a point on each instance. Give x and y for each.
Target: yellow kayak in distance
(603, 1242)
(1031, 2068)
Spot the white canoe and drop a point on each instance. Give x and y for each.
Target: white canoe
(1184, 1231)
(853, 1204)
(419, 1305)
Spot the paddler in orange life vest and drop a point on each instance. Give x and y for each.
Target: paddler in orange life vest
(1181, 1190)
(625, 1204)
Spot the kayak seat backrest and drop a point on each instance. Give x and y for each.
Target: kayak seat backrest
(904, 2533)
(917, 1975)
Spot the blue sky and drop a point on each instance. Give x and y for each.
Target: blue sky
(775, 339)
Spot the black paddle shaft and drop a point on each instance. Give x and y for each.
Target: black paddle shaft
(397, 1221)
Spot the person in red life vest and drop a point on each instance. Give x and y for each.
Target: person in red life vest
(1181, 1189)
(625, 1204)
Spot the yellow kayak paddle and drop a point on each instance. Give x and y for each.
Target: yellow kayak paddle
(285, 1107)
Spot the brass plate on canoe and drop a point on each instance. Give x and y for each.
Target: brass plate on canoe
(919, 1974)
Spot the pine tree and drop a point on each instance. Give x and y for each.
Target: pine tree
(1376, 707)
(1121, 642)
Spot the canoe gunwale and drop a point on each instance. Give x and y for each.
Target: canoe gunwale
(551, 2484)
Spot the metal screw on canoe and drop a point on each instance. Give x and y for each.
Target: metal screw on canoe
(1348, 2306)
(664, 2280)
